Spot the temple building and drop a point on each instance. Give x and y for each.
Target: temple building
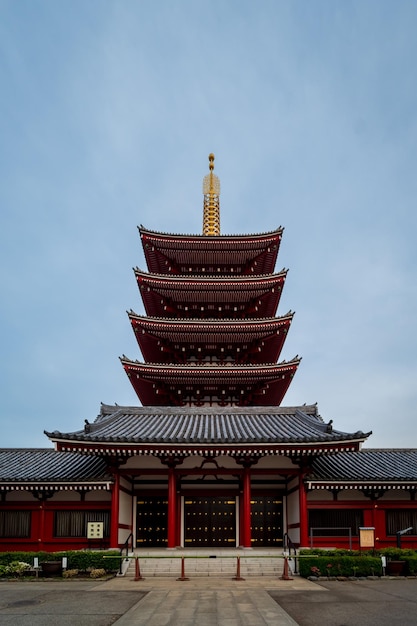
(210, 457)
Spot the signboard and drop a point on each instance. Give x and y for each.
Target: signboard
(95, 530)
(367, 537)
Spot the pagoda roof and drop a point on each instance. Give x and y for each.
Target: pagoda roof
(209, 296)
(143, 430)
(172, 253)
(172, 384)
(22, 468)
(256, 340)
(367, 468)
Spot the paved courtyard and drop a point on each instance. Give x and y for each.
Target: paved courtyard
(209, 601)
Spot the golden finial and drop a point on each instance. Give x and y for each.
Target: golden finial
(211, 191)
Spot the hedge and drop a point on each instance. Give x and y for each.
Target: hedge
(82, 560)
(339, 566)
(342, 562)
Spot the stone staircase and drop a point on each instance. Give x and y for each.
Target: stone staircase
(200, 563)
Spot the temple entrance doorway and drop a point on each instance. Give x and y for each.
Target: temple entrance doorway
(266, 521)
(209, 521)
(151, 522)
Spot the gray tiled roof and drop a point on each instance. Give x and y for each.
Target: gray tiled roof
(208, 425)
(22, 465)
(367, 465)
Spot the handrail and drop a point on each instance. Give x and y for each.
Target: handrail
(291, 546)
(125, 547)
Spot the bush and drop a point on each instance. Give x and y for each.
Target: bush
(87, 560)
(70, 573)
(341, 562)
(97, 573)
(82, 560)
(344, 566)
(15, 569)
(411, 564)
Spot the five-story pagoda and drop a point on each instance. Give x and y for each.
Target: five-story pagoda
(210, 337)
(211, 458)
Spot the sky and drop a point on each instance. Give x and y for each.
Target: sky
(108, 111)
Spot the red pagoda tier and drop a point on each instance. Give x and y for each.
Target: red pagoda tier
(172, 340)
(210, 296)
(199, 254)
(210, 384)
(210, 336)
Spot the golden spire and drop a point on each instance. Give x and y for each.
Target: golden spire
(211, 191)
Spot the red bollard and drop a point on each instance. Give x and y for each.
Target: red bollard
(183, 576)
(137, 570)
(285, 575)
(238, 576)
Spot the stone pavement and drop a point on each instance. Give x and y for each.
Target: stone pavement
(208, 601)
(257, 601)
(153, 601)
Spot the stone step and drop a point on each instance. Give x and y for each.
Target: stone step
(197, 566)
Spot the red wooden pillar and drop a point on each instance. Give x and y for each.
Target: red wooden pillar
(246, 526)
(379, 524)
(303, 512)
(114, 528)
(41, 539)
(172, 508)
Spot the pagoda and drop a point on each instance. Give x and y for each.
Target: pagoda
(210, 336)
(210, 458)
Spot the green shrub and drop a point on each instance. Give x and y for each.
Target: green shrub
(87, 560)
(340, 566)
(411, 562)
(397, 554)
(83, 560)
(15, 569)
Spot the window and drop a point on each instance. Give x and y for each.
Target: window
(400, 520)
(74, 523)
(15, 523)
(334, 522)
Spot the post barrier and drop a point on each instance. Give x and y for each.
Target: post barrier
(183, 576)
(238, 576)
(137, 570)
(285, 575)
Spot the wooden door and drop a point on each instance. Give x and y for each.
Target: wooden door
(266, 521)
(151, 522)
(210, 521)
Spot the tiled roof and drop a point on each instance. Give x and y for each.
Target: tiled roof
(367, 465)
(171, 296)
(209, 426)
(213, 238)
(25, 465)
(253, 340)
(256, 253)
(164, 384)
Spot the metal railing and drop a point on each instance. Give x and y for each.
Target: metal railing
(333, 533)
(138, 575)
(289, 545)
(126, 548)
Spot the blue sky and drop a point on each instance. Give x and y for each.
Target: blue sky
(108, 112)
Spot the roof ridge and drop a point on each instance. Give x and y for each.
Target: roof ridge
(280, 229)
